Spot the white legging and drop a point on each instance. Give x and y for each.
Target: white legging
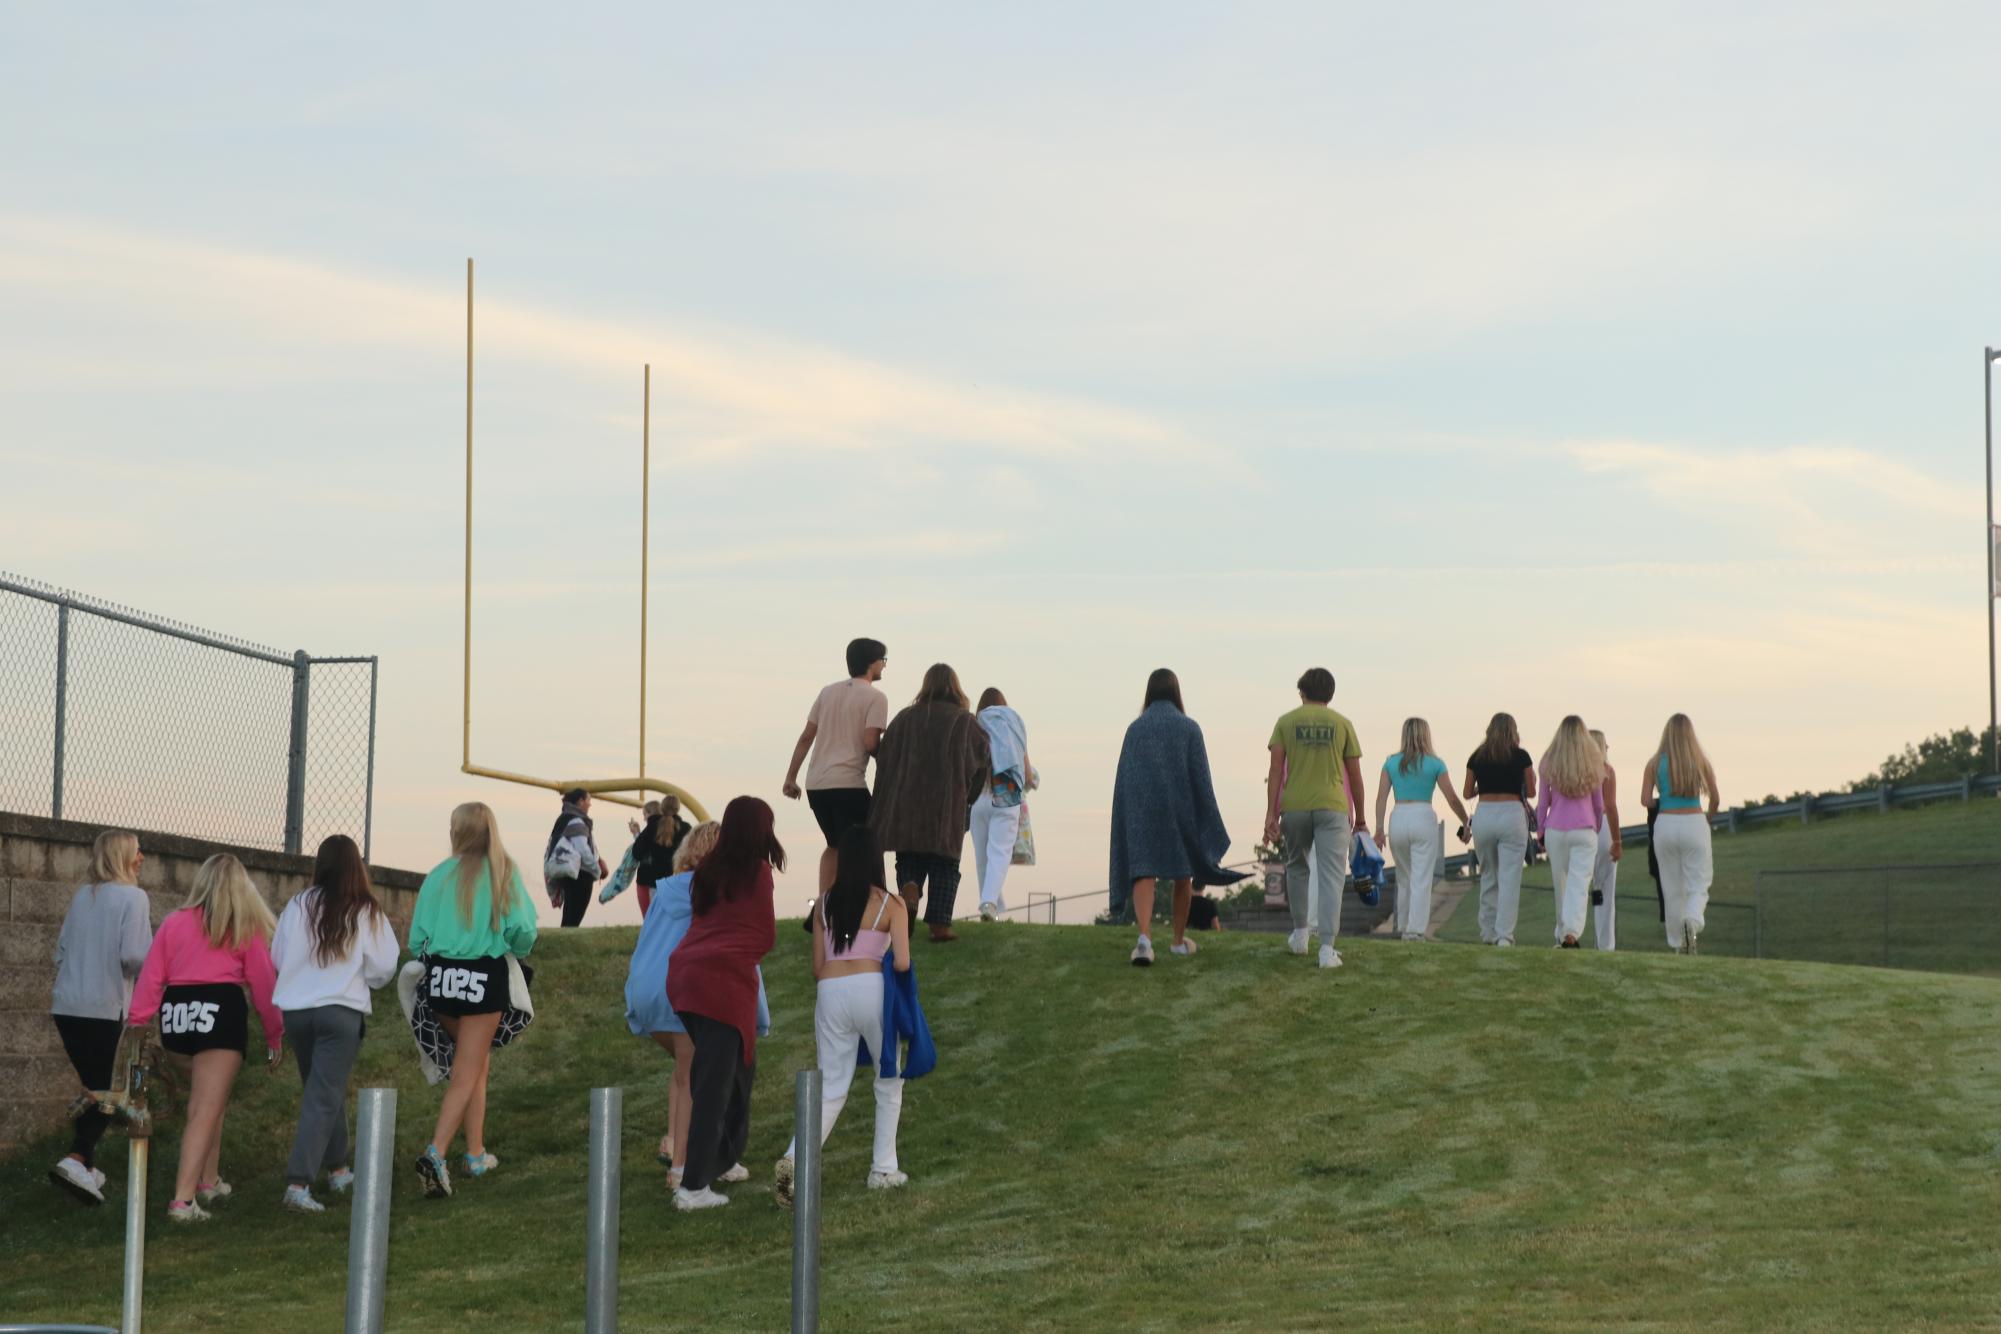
(1605, 884)
(1572, 855)
(1501, 840)
(1416, 845)
(993, 829)
(1681, 846)
(848, 1012)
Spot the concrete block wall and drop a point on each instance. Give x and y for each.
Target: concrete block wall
(42, 862)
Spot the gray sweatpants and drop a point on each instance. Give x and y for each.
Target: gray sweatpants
(1328, 836)
(325, 1039)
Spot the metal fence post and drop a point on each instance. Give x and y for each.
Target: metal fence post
(135, 1232)
(368, 794)
(62, 706)
(368, 1228)
(806, 1203)
(295, 765)
(601, 1226)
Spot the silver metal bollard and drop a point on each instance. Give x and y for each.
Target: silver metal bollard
(601, 1261)
(806, 1203)
(368, 1228)
(135, 1233)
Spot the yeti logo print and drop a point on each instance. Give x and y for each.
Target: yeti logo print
(461, 984)
(189, 1017)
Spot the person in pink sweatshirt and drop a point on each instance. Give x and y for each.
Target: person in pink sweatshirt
(205, 954)
(1569, 811)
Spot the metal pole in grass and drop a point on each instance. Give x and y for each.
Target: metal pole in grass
(806, 1203)
(368, 1227)
(601, 1263)
(135, 1232)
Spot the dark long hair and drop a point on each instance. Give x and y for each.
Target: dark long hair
(345, 894)
(1163, 685)
(745, 844)
(1503, 740)
(857, 871)
(990, 697)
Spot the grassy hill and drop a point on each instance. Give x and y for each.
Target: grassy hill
(1431, 1136)
(1937, 919)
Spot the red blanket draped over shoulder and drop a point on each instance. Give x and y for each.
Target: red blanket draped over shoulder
(713, 971)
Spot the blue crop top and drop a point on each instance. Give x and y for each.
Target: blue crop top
(1662, 790)
(1419, 783)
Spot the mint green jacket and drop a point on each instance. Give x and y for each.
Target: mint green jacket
(436, 927)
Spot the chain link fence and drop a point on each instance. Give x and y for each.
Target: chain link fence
(1937, 919)
(117, 717)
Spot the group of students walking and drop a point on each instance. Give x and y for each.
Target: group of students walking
(694, 984)
(1166, 825)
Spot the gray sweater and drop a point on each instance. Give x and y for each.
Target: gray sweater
(103, 944)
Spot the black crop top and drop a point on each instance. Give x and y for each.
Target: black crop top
(1503, 779)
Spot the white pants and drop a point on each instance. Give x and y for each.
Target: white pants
(1417, 845)
(1605, 884)
(1501, 841)
(1681, 846)
(993, 831)
(1572, 855)
(848, 1012)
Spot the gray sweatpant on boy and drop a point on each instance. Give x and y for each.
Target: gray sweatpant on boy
(325, 1039)
(1328, 836)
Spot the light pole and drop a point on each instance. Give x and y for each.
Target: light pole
(1988, 357)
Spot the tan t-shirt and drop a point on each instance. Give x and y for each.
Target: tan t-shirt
(842, 713)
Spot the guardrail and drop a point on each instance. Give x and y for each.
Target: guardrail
(1803, 809)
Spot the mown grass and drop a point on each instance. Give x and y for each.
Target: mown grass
(1430, 1137)
(1938, 921)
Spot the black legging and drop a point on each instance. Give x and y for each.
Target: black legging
(719, 1083)
(576, 898)
(92, 1045)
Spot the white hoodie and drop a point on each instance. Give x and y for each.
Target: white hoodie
(303, 984)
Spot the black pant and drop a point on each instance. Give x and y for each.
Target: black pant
(914, 868)
(719, 1100)
(92, 1045)
(576, 898)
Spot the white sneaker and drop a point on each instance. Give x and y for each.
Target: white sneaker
(887, 1180)
(687, 1201)
(98, 1177)
(217, 1189)
(1296, 942)
(300, 1201)
(341, 1180)
(190, 1212)
(1329, 957)
(738, 1172)
(988, 912)
(1184, 949)
(78, 1180)
(1143, 953)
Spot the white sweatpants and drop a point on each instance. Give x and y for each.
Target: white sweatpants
(1572, 854)
(993, 831)
(1500, 840)
(1417, 846)
(1681, 846)
(1605, 884)
(846, 1013)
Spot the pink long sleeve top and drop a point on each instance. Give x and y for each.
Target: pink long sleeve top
(182, 957)
(1553, 810)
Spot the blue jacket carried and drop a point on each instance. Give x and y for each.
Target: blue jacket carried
(902, 1021)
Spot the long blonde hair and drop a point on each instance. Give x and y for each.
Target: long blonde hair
(699, 843)
(232, 910)
(114, 858)
(1573, 764)
(476, 844)
(1416, 744)
(1688, 767)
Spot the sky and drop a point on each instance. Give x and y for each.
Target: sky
(1542, 357)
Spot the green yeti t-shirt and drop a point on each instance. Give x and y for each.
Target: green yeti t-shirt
(1316, 741)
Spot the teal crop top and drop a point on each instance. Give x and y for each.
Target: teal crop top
(1661, 790)
(1416, 785)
